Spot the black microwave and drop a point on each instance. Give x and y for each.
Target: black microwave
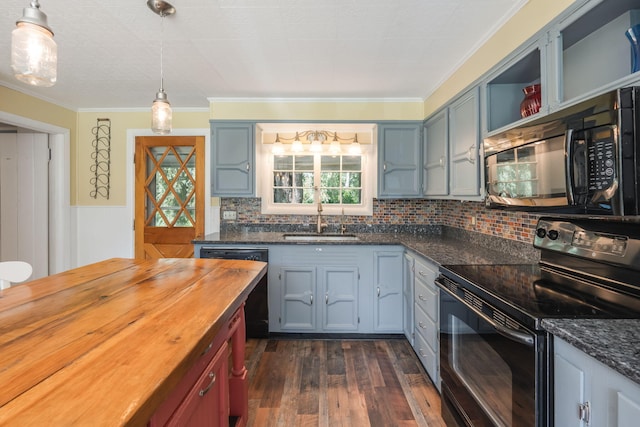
(584, 159)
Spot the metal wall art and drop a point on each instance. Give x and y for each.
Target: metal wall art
(101, 156)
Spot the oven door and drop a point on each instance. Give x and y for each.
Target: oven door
(488, 370)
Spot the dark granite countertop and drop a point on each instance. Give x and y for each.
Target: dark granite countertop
(439, 248)
(614, 342)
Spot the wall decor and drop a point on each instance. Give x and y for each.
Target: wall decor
(101, 156)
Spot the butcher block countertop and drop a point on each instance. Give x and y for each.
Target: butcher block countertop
(104, 344)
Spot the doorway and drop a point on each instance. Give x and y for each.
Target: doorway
(169, 195)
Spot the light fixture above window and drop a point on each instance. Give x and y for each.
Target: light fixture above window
(316, 139)
(34, 53)
(161, 114)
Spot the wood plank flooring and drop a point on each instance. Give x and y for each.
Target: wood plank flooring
(350, 383)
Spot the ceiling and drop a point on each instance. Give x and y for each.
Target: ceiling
(109, 51)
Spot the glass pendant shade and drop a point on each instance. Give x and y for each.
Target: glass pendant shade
(34, 53)
(161, 114)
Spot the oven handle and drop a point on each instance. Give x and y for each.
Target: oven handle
(517, 336)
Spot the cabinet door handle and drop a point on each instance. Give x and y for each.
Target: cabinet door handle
(248, 166)
(421, 297)
(470, 154)
(584, 412)
(384, 166)
(311, 299)
(378, 291)
(422, 325)
(443, 159)
(204, 391)
(326, 299)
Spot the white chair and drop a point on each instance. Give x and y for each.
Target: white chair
(14, 272)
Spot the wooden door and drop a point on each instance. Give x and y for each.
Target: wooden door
(169, 192)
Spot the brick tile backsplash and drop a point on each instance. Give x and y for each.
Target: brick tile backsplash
(518, 226)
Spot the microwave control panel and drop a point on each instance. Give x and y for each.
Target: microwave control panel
(601, 152)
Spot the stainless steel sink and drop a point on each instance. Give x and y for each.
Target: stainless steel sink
(312, 237)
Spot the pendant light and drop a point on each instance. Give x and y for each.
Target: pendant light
(34, 53)
(161, 114)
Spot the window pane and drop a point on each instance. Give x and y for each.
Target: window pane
(283, 163)
(351, 179)
(330, 179)
(330, 163)
(351, 163)
(307, 196)
(351, 197)
(304, 163)
(330, 196)
(303, 179)
(282, 179)
(282, 195)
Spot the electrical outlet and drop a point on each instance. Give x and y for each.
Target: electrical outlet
(230, 215)
(473, 220)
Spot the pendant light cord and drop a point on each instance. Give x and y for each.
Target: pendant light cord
(161, 52)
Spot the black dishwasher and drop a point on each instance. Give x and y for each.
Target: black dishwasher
(257, 307)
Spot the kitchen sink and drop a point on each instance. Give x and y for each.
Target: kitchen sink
(319, 237)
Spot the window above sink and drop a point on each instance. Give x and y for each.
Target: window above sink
(294, 178)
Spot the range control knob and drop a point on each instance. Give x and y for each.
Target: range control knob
(541, 232)
(553, 234)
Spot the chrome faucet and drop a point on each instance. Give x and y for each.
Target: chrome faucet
(321, 225)
(343, 227)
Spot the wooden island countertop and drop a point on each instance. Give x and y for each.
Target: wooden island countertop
(105, 344)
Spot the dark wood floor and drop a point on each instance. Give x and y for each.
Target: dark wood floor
(336, 383)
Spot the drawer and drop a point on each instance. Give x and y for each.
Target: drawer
(425, 271)
(427, 328)
(426, 298)
(428, 358)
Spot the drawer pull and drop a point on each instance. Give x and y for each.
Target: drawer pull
(422, 325)
(584, 412)
(206, 350)
(422, 297)
(422, 352)
(422, 273)
(204, 391)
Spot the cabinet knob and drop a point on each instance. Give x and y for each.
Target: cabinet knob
(584, 412)
(471, 155)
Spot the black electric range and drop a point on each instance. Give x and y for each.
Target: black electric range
(495, 358)
(587, 270)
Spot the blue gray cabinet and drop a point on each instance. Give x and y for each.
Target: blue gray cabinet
(588, 393)
(232, 159)
(399, 158)
(464, 145)
(388, 288)
(435, 173)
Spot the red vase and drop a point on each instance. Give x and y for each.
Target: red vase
(532, 100)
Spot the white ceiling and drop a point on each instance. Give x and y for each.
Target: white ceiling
(109, 51)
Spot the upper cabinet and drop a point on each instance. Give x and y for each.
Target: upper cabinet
(399, 154)
(435, 172)
(464, 145)
(232, 159)
(580, 54)
(505, 87)
(591, 51)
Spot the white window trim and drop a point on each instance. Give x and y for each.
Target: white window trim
(264, 188)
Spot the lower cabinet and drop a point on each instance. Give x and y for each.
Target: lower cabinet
(319, 299)
(426, 317)
(336, 289)
(388, 298)
(212, 392)
(589, 393)
(407, 297)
